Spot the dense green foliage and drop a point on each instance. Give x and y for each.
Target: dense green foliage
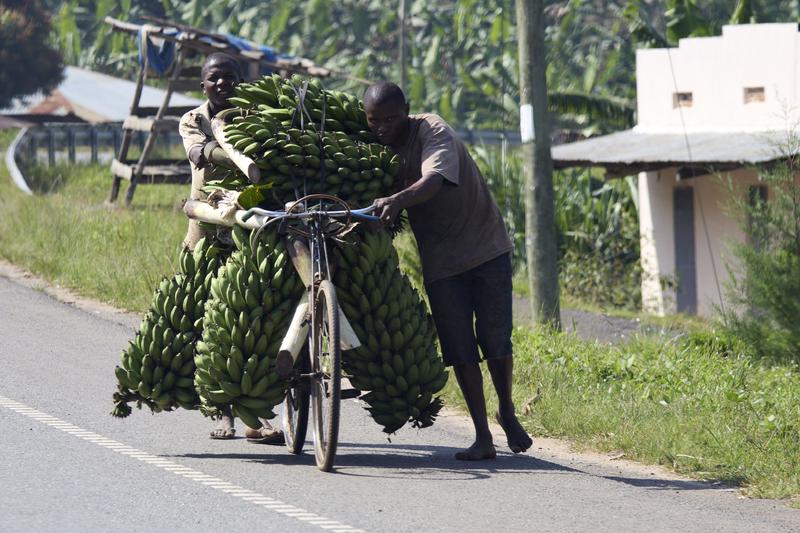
(765, 281)
(28, 60)
(663, 23)
(597, 228)
(698, 404)
(461, 55)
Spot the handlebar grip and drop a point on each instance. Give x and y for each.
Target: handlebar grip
(365, 216)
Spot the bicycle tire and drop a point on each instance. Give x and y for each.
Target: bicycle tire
(295, 410)
(326, 363)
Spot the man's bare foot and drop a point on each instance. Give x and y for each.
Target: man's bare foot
(479, 451)
(225, 429)
(518, 438)
(265, 435)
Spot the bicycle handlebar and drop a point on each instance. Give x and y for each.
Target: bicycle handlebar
(358, 213)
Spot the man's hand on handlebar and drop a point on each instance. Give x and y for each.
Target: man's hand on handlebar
(387, 209)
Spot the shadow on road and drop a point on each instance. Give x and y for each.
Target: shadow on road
(396, 460)
(435, 463)
(670, 484)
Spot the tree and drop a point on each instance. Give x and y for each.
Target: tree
(763, 308)
(28, 61)
(540, 228)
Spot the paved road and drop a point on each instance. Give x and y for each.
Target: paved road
(595, 326)
(68, 466)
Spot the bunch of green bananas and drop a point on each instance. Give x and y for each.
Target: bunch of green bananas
(158, 365)
(398, 360)
(297, 149)
(252, 302)
(290, 101)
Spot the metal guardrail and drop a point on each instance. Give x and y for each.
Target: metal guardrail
(490, 137)
(65, 142)
(11, 162)
(57, 142)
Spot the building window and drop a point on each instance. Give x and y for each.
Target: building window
(753, 95)
(681, 99)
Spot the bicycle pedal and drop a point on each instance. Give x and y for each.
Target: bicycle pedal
(347, 394)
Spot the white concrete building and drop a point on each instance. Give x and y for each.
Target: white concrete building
(713, 108)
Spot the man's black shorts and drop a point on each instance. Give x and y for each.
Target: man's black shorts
(473, 309)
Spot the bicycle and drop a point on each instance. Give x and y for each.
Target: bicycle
(316, 381)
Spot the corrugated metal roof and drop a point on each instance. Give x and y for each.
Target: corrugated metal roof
(634, 150)
(103, 98)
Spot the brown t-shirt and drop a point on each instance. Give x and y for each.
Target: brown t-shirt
(460, 227)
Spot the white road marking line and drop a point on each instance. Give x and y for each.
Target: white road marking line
(246, 495)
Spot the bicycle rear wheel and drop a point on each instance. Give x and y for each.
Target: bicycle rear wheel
(326, 369)
(295, 409)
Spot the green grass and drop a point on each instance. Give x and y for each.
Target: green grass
(699, 406)
(69, 237)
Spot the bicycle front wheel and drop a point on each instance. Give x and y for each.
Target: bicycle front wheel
(326, 369)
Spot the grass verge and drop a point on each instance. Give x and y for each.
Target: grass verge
(69, 237)
(700, 406)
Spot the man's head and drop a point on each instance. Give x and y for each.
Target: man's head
(387, 112)
(219, 75)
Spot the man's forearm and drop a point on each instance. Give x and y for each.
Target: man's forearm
(420, 191)
(200, 155)
(195, 155)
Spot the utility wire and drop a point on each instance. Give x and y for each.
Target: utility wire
(699, 197)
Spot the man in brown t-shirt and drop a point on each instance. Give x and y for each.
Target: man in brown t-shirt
(465, 252)
(220, 73)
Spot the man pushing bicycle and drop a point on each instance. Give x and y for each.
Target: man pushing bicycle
(465, 251)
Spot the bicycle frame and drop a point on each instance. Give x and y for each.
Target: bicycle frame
(318, 377)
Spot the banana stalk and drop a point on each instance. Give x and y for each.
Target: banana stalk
(244, 163)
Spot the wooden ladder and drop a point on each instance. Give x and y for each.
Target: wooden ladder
(153, 120)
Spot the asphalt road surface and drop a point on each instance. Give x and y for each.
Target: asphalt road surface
(66, 465)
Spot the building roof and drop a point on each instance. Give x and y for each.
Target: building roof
(95, 97)
(632, 151)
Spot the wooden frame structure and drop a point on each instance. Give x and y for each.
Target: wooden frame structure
(191, 46)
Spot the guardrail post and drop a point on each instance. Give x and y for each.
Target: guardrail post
(71, 145)
(33, 148)
(51, 147)
(93, 142)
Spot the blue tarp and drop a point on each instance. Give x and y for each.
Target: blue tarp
(160, 58)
